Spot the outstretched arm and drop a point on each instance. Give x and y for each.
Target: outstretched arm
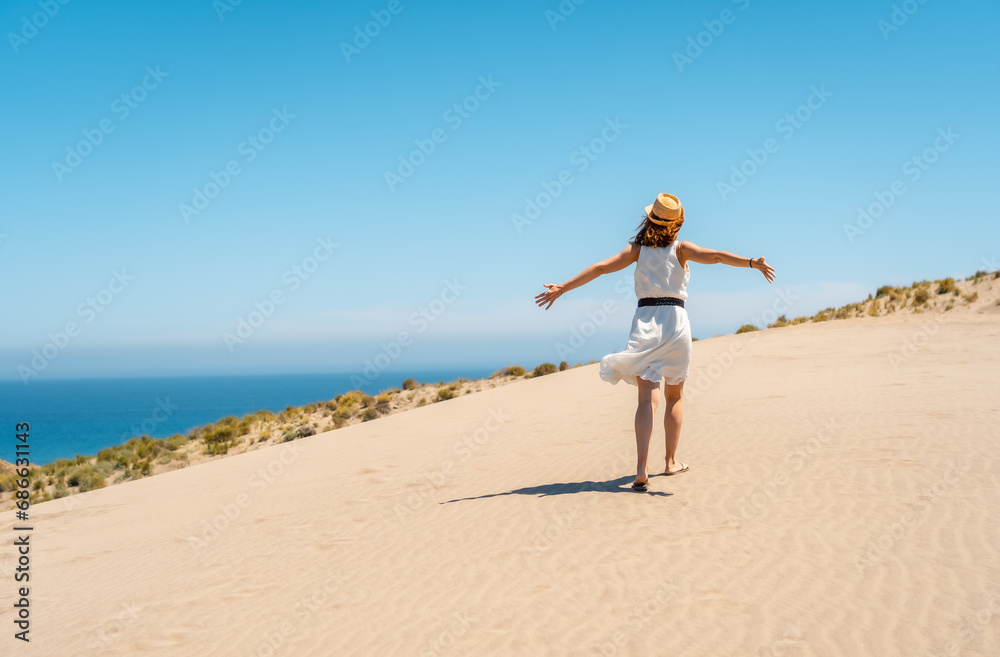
(617, 262)
(694, 253)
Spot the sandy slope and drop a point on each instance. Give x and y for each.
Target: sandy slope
(843, 500)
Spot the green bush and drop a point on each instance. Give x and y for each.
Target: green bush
(563, 366)
(920, 296)
(369, 414)
(515, 370)
(778, 323)
(409, 384)
(543, 369)
(175, 442)
(300, 431)
(445, 393)
(86, 477)
(746, 328)
(883, 291)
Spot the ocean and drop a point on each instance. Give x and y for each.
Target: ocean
(82, 416)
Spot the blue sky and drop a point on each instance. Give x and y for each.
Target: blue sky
(116, 118)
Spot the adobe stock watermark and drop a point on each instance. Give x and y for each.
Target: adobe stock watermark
(110, 633)
(562, 12)
(899, 17)
(579, 160)
(454, 117)
(991, 264)
(88, 311)
(753, 504)
(223, 7)
(784, 300)
(462, 451)
(972, 626)
(648, 608)
(879, 546)
(443, 640)
(699, 43)
(420, 319)
(292, 280)
(913, 170)
(257, 482)
(916, 341)
(578, 335)
(788, 126)
(274, 638)
(121, 107)
(163, 409)
(794, 635)
(371, 30)
(248, 149)
(31, 25)
(705, 377)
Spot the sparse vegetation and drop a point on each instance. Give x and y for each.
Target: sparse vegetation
(544, 368)
(513, 370)
(143, 455)
(946, 285)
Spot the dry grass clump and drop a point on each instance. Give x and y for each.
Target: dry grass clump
(946, 285)
(513, 370)
(544, 368)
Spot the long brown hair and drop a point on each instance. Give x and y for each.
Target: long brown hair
(655, 235)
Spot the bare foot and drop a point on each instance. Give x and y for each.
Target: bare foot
(676, 468)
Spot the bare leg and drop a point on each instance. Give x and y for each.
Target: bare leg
(649, 399)
(672, 425)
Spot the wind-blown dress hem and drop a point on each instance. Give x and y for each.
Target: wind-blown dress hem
(659, 344)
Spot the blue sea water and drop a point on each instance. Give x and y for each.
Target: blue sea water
(82, 416)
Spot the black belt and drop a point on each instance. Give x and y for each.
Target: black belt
(661, 301)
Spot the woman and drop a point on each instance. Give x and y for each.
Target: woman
(659, 346)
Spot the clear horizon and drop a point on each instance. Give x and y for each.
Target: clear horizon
(218, 188)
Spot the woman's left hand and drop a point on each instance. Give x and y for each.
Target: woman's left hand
(549, 296)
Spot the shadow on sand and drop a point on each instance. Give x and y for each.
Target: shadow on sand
(619, 485)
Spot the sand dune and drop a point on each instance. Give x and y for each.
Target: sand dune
(843, 499)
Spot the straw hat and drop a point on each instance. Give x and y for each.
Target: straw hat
(666, 211)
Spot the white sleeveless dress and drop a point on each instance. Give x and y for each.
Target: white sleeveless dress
(659, 345)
